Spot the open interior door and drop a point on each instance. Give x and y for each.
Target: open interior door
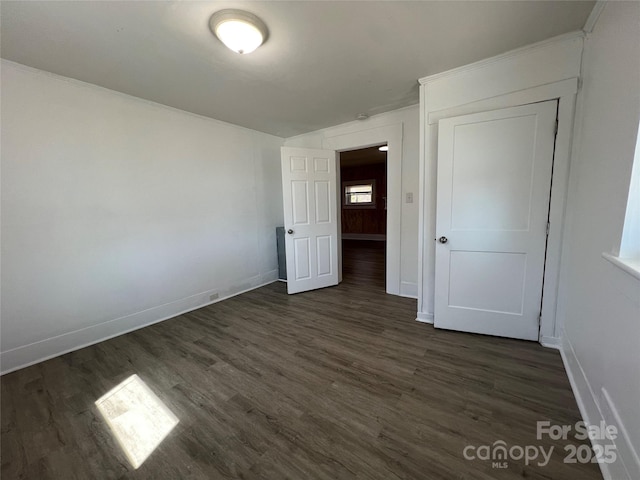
(494, 183)
(310, 218)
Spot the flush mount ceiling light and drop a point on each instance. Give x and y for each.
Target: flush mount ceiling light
(241, 31)
(384, 148)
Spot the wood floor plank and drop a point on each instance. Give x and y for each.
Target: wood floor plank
(338, 383)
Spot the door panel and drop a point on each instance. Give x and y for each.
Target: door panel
(487, 281)
(494, 181)
(300, 202)
(324, 255)
(323, 204)
(301, 258)
(310, 215)
(500, 176)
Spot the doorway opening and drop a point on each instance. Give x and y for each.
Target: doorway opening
(363, 211)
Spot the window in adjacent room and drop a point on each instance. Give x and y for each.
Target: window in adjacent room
(359, 194)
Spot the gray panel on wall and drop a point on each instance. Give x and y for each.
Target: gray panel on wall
(282, 256)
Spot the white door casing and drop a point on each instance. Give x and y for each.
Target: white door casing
(392, 135)
(493, 188)
(310, 218)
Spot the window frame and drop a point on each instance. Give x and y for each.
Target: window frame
(350, 183)
(627, 255)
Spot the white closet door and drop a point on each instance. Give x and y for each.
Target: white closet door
(494, 183)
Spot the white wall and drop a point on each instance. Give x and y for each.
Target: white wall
(117, 212)
(409, 120)
(600, 301)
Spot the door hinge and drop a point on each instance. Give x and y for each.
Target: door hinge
(548, 227)
(556, 132)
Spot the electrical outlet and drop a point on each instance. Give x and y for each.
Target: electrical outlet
(409, 197)
(213, 296)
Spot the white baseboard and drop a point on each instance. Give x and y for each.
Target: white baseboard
(379, 237)
(594, 410)
(409, 289)
(550, 342)
(26, 355)
(424, 317)
(626, 452)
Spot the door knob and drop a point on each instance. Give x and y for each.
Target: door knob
(290, 232)
(443, 239)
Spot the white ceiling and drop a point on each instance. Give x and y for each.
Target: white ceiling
(324, 61)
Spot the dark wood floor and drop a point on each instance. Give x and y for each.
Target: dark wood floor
(363, 263)
(339, 383)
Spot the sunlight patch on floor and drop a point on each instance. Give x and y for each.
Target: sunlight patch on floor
(137, 418)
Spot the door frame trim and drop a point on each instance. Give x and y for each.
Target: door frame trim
(565, 91)
(392, 136)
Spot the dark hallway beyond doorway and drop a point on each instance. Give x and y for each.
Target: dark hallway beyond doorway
(363, 263)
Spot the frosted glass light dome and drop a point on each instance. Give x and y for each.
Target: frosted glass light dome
(240, 31)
